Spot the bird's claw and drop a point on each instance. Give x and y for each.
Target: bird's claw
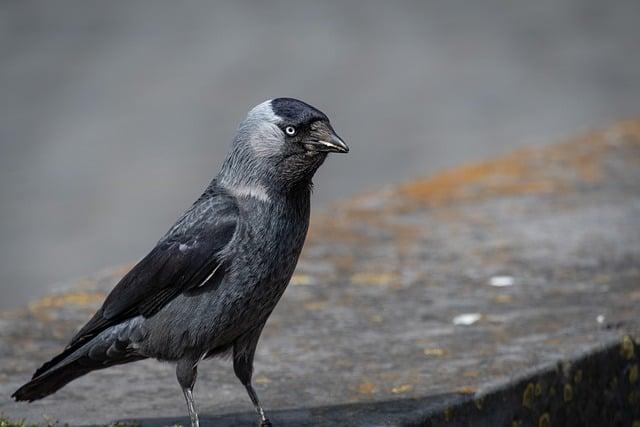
(266, 423)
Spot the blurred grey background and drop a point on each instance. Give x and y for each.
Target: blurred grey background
(115, 114)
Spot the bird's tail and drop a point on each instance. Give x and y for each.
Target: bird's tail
(50, 381)
(79, 359)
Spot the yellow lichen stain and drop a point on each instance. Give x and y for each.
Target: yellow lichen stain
(403, 388)
(471, 374)
(601, 279)
(467, 389)
(503, 299)
(448, 414)
(633, 374)
(315, 305)
(301, 280)
(367, 388)
(75, 298)
(577, 378)
(636, 423)
(378, 279)
(538, 389)
(627, 348)
(516, 423)
(528, 396)
(479, 402)
(544, 420)
(567, 393)
(433, 352)
(376, 318)
(262, 380)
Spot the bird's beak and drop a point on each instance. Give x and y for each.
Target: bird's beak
(327, 142)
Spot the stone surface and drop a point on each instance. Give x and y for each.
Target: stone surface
(499, 293)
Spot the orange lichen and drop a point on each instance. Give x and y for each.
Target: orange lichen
(627, 348)
(367, 388)
(544, 170)
(301, 280)
(467, 390)
(433, 352)
(75, 298)
(315, 305)
(403, 388)
(373, 278)
(501, 176)
(262, 380)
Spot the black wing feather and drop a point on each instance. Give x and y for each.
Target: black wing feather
(182, 260)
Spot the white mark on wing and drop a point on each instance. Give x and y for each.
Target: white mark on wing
(209, 276)
(183, 247)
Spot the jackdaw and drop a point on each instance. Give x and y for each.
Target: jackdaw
(209, 285)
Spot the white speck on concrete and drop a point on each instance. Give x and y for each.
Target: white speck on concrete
(501, 281)
(466, 319)
(600, 319)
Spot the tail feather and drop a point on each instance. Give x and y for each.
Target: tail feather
(57, 360)
(108, 349)
(54, 379)
(49, 382)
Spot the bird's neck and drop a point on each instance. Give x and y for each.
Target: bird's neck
(247, 175)
(262, 187)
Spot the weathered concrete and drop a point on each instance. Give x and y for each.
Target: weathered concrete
(367, 333)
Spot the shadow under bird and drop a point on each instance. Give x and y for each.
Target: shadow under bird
(209, 285)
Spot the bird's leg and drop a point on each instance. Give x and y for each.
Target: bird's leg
(191, 407)
(243, 352)
(264, 422)
(186, 371)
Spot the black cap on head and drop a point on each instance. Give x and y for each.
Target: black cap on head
(296, 111)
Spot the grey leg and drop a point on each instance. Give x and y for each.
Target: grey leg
(243, 352)
(264, 422)
(191, 407)
(186, 371)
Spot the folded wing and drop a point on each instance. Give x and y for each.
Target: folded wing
(189, 255)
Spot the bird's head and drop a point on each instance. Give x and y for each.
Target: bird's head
(282, 142)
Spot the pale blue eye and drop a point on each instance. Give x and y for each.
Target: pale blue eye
(290, 130)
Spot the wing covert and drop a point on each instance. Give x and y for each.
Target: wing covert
(183, 259)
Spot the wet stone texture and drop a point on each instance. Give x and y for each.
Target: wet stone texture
(500, 293)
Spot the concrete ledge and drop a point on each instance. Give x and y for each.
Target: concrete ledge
(499, 293)
(596, 388)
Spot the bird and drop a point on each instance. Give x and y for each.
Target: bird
(211, 282)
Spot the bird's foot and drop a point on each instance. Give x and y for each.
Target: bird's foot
(265, 423)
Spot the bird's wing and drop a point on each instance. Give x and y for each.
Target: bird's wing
(185, 258)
